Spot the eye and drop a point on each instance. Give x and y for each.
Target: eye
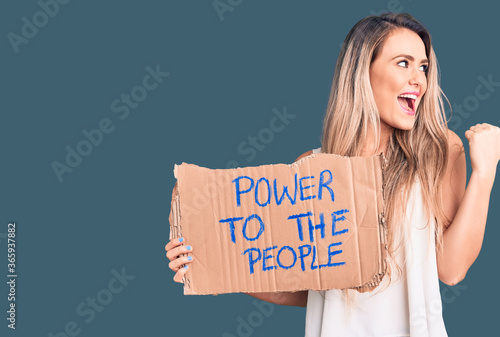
(426, 67)
(404, 61)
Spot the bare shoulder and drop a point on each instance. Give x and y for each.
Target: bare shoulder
(454, 141)
(305, 154)
(456, 153)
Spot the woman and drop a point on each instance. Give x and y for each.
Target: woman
(385, 97)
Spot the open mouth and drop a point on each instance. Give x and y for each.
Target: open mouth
(407, 102)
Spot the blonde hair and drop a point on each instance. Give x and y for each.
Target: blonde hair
(351, 114)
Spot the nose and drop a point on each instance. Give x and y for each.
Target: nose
(417, 78)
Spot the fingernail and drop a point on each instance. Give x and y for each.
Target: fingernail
(190, 258)
(185, 267)
(188, 247)
(181, 239)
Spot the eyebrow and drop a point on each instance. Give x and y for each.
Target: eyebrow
(411, 58)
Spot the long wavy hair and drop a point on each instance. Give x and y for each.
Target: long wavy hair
(351, 116)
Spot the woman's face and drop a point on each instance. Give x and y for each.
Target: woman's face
(399, 69)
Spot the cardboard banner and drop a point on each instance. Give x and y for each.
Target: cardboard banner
(314, 224)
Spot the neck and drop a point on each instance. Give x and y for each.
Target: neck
(370, 148)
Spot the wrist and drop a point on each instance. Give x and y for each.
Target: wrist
(485, 178)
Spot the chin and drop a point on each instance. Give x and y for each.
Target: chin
(405, 126)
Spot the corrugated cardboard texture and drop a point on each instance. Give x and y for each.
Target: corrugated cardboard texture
(247, 235)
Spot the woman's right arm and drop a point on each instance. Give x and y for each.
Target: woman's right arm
(175, 250)
(297, 299)
(176, 253)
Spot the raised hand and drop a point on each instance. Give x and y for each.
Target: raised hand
(484, 145)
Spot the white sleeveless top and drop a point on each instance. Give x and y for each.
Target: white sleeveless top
(411, 305)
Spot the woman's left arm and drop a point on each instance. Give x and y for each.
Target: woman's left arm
(467, 208)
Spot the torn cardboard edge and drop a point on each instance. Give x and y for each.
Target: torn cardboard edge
(176, 218)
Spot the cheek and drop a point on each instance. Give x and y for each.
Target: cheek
(390, 87)
(422, 92)
(380, 88)
(389, 93)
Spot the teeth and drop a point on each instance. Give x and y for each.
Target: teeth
(408, 96)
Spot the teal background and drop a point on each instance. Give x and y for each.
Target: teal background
(226, 77)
